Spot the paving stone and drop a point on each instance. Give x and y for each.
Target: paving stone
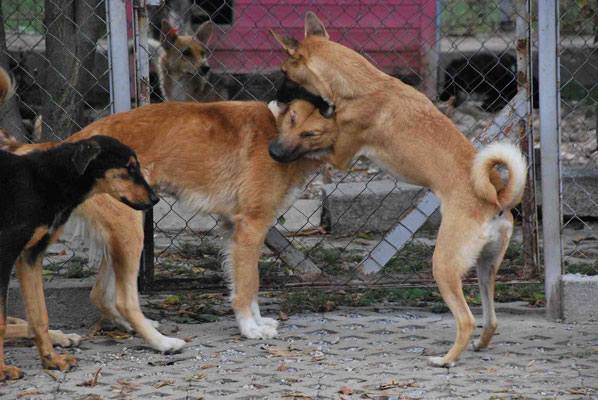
(580, 297)
(317, 354)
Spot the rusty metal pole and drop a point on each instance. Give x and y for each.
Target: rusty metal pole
(142, 95)
(529, 209)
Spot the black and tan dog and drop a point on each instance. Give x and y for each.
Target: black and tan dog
(39, 192)
(397, 126)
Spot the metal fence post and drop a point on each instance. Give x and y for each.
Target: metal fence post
(548, 12)
(529, 217)
(118, 56)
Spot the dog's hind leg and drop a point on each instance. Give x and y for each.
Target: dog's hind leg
(245, 251)
(488, 263)
(457, 247)
(32, 289)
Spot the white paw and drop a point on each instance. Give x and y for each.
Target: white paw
(153, 323)
(74, 339)
(475, 345)
(169, 344)
(440, 362)
(250, 329)
(67, 339)
(271, 322)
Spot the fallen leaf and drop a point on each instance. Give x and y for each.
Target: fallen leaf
(93, 381)
(118, 335)
(163, 383)
(206, 366)
(123, 386)
(197, 377)
(27, 393)
(172, 300)
(580, 390)
(282, 367)
(296, 395)
(394, 384)
(283, 316)
(345, 390)
(278, 352)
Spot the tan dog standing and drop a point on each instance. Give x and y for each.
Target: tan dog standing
(397, 126)
(212, 156)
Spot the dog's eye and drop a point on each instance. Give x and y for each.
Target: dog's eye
(187, 52)
(308, 134)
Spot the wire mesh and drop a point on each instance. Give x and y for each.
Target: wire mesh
(461, 53)
(579, 147)
(339, 217)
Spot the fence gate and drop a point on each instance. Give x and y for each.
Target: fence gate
(360, 227)
(75, 62)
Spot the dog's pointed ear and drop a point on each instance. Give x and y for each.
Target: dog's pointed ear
(168, 33)
(84, 154)
(314, 27)
(204, 32)
(289, 44)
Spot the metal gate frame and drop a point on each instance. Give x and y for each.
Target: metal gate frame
(517, 120)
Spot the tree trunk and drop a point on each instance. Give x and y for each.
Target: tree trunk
(10, 117)
(72, 31)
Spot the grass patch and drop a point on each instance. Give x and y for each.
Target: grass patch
(335, 260)
(590, 268)
(317, 300)
(413, 257)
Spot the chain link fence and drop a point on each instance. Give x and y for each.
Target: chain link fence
(345, 227)
(579, 133)
(475, 59)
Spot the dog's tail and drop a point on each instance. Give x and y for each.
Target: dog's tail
(7, 87)
(501, 153)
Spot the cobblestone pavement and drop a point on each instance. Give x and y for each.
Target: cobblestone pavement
(349, 354)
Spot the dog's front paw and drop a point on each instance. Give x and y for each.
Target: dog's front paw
(10, 373)
(62, 362)
(169, 345)
(440, 362)
(251, 330)
(271, 322)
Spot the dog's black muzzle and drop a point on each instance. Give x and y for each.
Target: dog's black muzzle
(283, 154)
(153, 199)
(290, 90)
(204, 69)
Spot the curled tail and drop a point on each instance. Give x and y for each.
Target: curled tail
(504, 196)
(7, 87)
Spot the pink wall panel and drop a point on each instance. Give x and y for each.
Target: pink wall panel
(394, 34)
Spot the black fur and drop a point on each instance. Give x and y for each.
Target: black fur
(493, 76)
(289, 91)
(42, 188)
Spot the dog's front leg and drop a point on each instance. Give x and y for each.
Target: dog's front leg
(6, 371)
(32, 289)
(245, 251)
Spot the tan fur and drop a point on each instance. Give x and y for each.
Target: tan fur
(7, 88)
(180, 66)
(215, 157)
(378, 115)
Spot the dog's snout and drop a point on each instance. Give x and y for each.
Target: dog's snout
(153, 197)
(204, 69)
(277, 151)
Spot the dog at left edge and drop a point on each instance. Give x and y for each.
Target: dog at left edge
(38, 192)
